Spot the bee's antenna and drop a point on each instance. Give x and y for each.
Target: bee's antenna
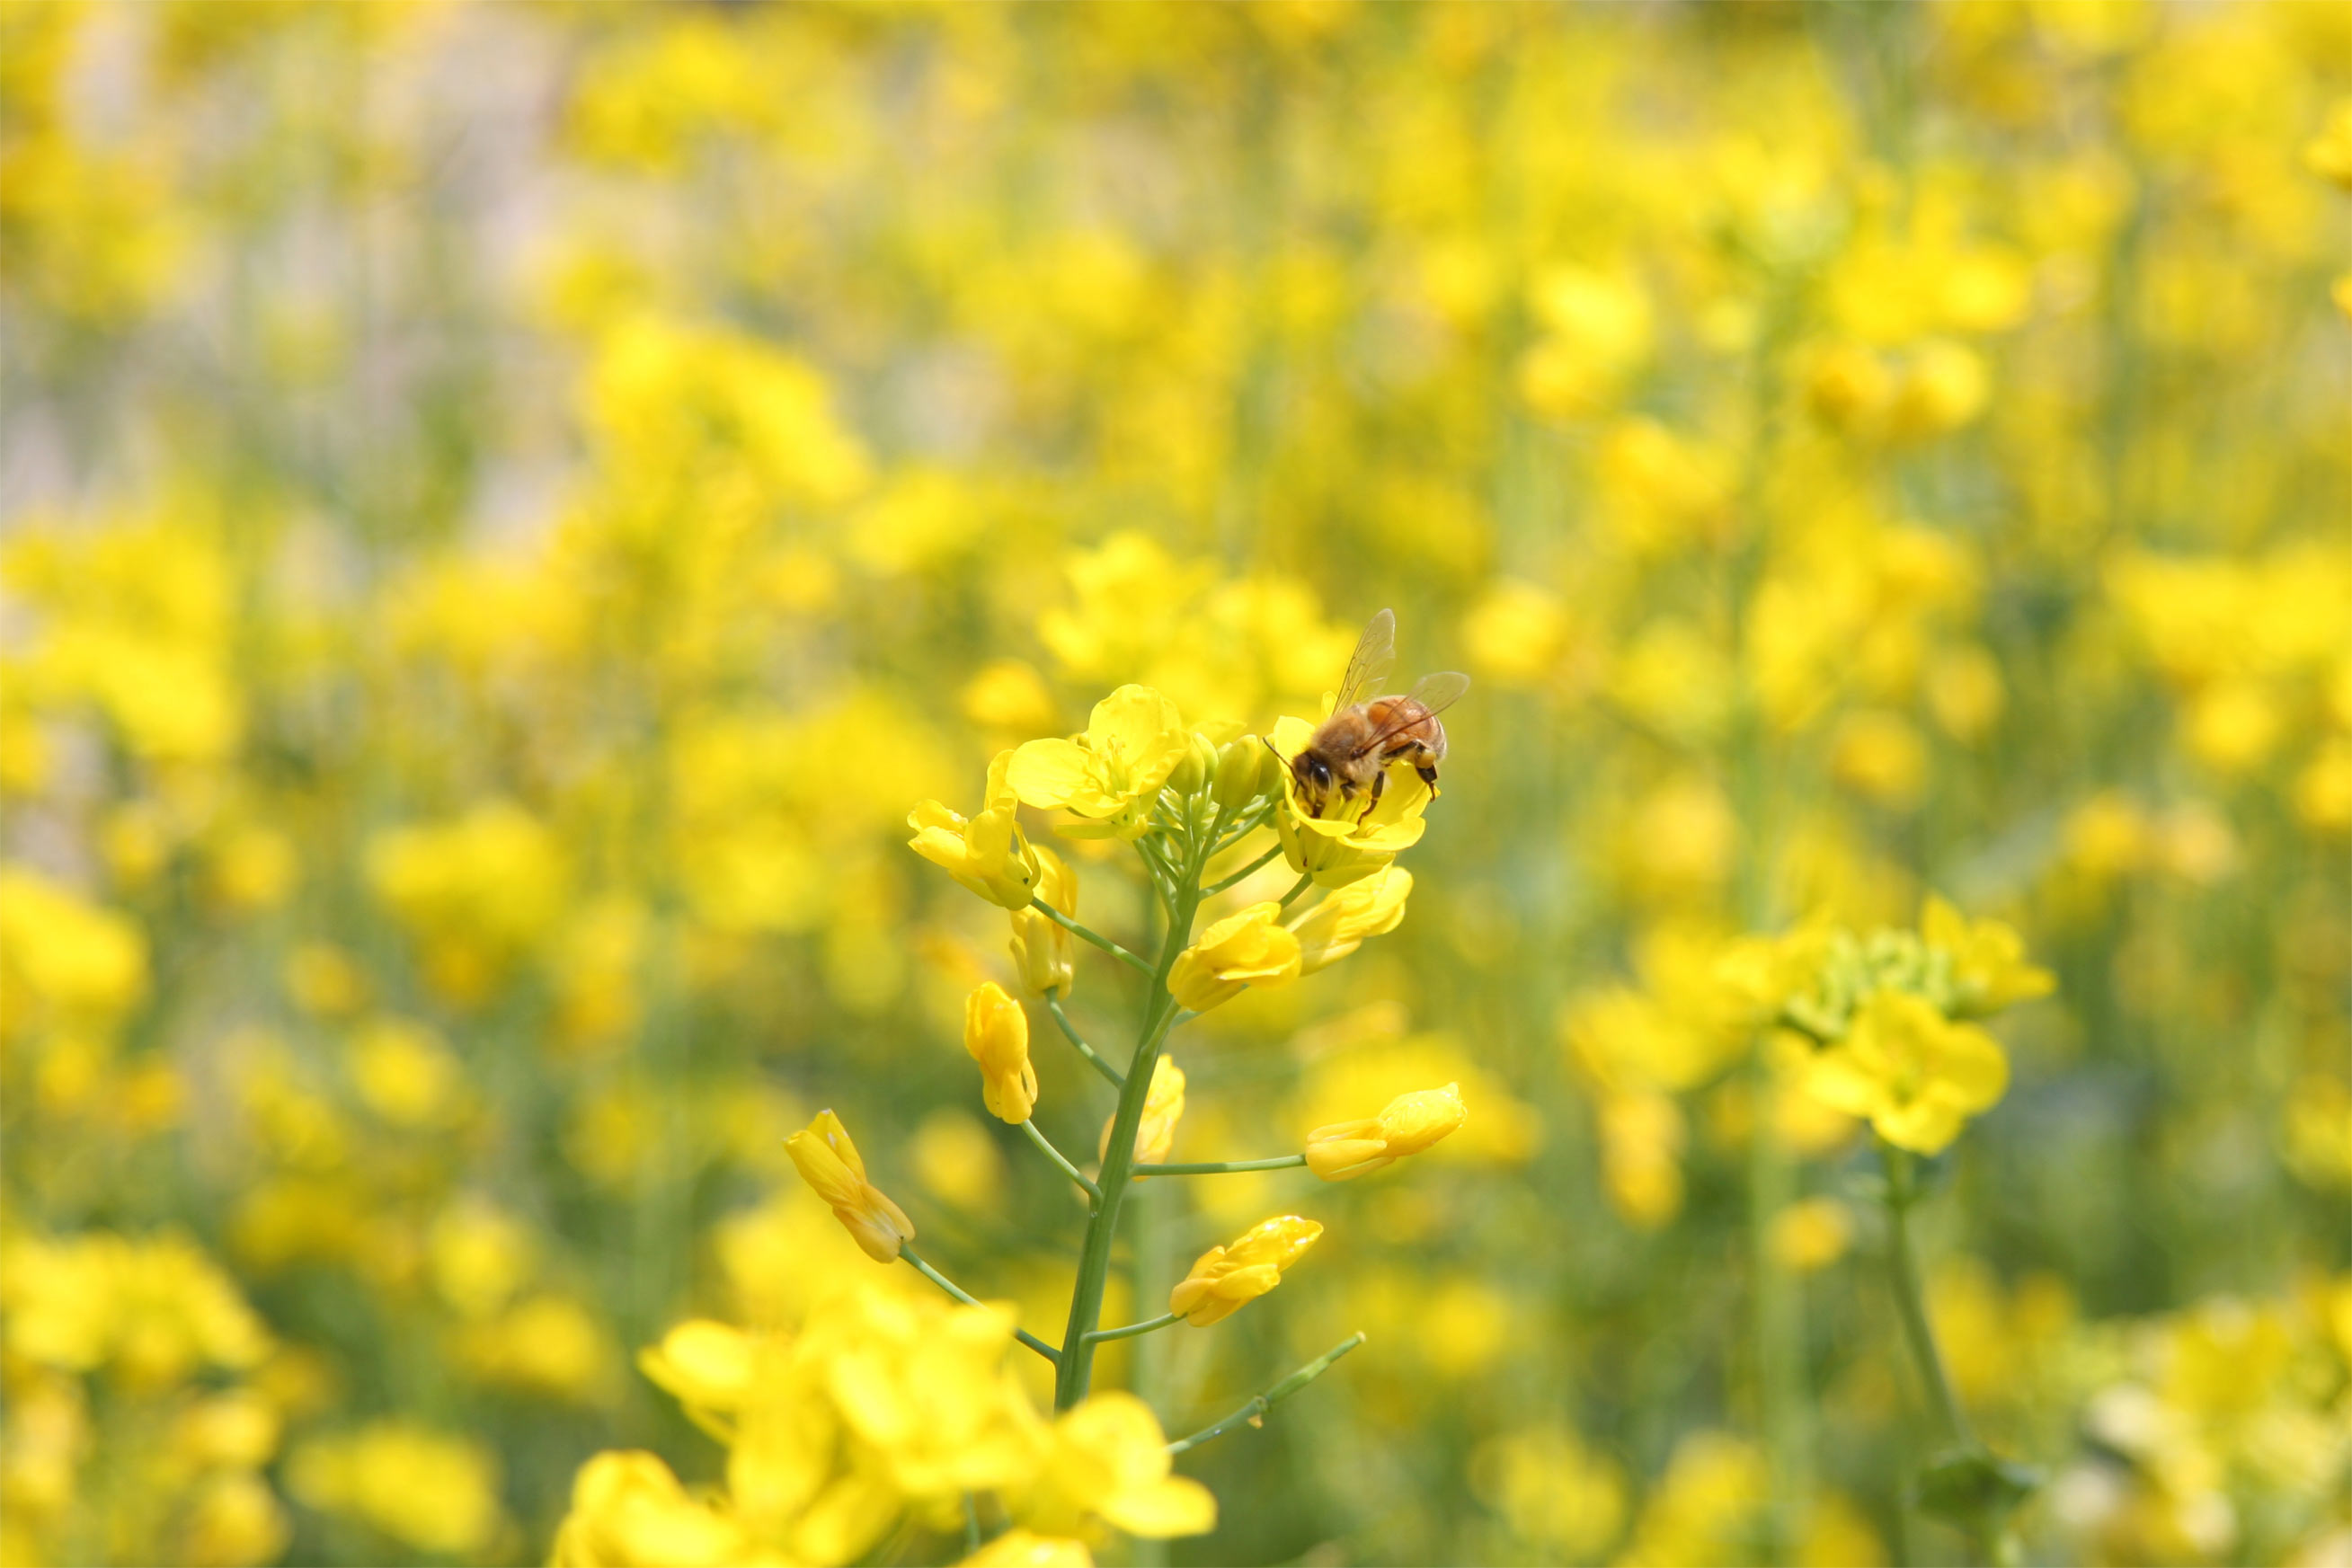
(1269, 746)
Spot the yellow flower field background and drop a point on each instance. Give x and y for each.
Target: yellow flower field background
(518, 515)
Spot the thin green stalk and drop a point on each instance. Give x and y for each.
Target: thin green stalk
(1075, 1370)
(1245, 872)
(1903, 1265)
(1054, 1154)
(968, 1300)
(1223, 1167)
(1163, 1321)
(1242, 830)
(1306, 879)
(1104, 942)
(1069, 1032)
(1260, 1404)
(971, 1524)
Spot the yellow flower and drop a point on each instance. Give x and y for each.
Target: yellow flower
(1163, 1107)
(1989, 967)
(629, 1511)
(1043, 951)
(1338, 925)
(1407, 1125)
(1108, 1458)
(1112, 774)
(1362, 838)
(1225, 1278)
(1917, 1075)
(997, 1033)
(704, 1366)
(1019, 1549)
(988, 853)
(436, 1492)
(828, 1162)
(1249, 948)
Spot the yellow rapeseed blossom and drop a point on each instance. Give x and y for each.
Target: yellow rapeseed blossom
(1916, 1075)
(1110, 776)
(829, 1163)
(1357, 840)
(65, 961)
(1251, 948)
(1225, 1279)
(1988, 968)
(1406, 1126)
(1343, 917)
(1045, 953)
(424, 1488)
(1811, 1234)
(629, 1511)
(996, 1036)
(988, 852)
(1107, 1459)
(1022, 1549)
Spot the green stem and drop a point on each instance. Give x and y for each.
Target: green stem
(1223, 1167)
(1903, 1264)
(1070, 1033)
(1242, 830)
(968, 1300)
(1245, 872)
(1306, 879)
(1056, 1155)
(1075, 1369)
(1132, 1330)
(1104, 942)
(1260, 1404)
(971, 1524)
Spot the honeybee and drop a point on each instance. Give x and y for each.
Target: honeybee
(1349, 754)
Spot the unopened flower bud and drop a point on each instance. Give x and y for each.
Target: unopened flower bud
(1224, 1279)
(1410, 1124)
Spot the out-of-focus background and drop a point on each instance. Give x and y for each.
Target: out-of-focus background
(508, 507)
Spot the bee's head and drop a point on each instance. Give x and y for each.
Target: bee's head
(1314, 775)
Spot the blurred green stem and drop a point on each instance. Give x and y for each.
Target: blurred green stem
(1984, 1515)
(1245, 872)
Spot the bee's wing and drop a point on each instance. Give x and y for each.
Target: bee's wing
(1374, 657)
(1432, 695)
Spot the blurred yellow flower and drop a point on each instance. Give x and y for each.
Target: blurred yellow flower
(1988, 968)
(1107, 1458)
(1916, 1076)
(1225, 1279)
(1250, 948)
(629, 1511)
(996, 1036)
(1110, 776)
(1163, 1107)
(988, 853)
(1406, 1126)
(65, 961)
(829, 1163)
(1021, 1549)
(424, 1488)
(1811, 1234)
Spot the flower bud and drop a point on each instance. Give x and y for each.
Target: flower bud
(997, 1033)
(1045, 954)
(828, 1162)
(1410, 1124)
(1248, 948)
(1241, 777)
(1225, 1278)
(1197, 769)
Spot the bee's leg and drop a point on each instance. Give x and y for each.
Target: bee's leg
(1428, 772)
(1379, 782)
